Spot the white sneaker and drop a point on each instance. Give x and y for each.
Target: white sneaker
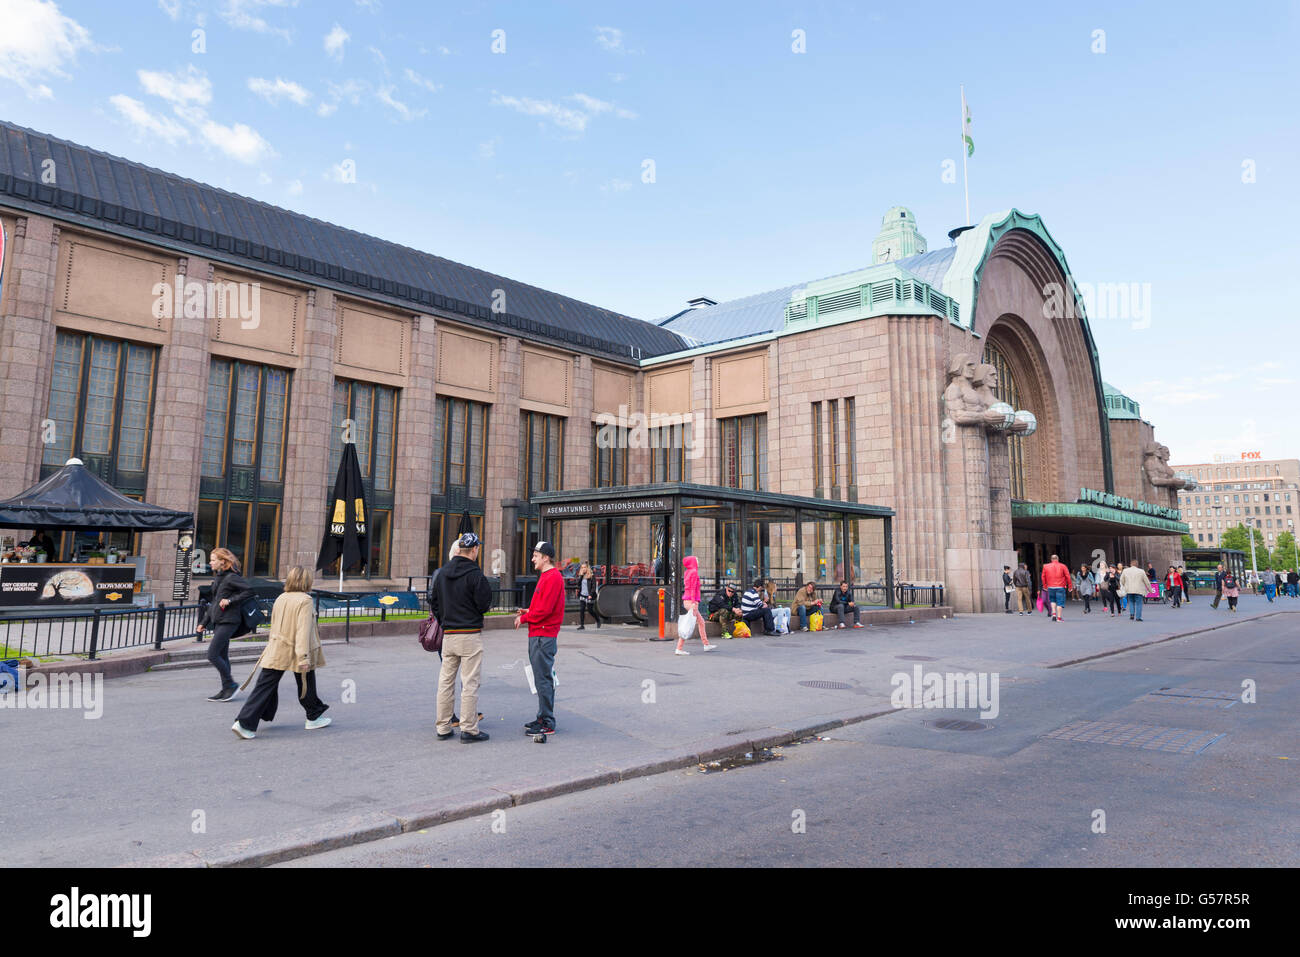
(681, 651)
(710, 647)
(841, 625)
(320, 722)
(242, 732)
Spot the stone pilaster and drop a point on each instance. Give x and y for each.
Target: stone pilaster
(413, 482)
(504, 467)
(307, 482)
(27, 337)
(176, 439)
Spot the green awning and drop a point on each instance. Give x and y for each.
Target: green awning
(1083, 518)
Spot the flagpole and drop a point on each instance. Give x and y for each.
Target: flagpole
(965, 180)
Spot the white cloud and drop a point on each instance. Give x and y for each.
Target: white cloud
(349, 90)
(240, 142)
(371, 5)
(338, 173)
(616, 186)
(617, 77)
(382, 60)
(264, 179)
(327, 109)
(281, 89)
(565, 117)
(183, 89)
(241, 15)
(36, 42)
(334, 41)
(610, 38)
(488, 148)
(149, 124)
(385, 95)
(295, 187)
(419, 80)
(170, 7)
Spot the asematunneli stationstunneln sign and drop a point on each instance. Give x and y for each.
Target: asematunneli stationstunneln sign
(65, 586)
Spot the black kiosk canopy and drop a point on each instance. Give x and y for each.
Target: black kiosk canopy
(75, 500)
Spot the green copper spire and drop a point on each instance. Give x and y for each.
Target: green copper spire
(898, 237)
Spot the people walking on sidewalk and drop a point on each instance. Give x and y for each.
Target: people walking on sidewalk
(1110, 589)
(1008, 588)
(1270, 584)
(461, 597)
(1134, 583)
(1187, 584)
(1174, 585)
(544, 615)
(1231, 590)
(586, 596)
(805, 604)
(1056, 580)
(1023, 582)
(1085, 584)
(1218, 586)
(225, 617)
(1293, 583)
(293, 645)
(691, 602)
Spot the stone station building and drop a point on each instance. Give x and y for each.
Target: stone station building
(202, 350)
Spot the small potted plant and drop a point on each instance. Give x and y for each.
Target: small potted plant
(40, 556)
(111, 556)
(95, 558)
(26, 554)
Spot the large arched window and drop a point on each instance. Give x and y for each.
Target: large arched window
(1007, 392)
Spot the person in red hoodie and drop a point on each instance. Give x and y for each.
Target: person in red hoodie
(544, 617)
(691, 602)
(1056, 579)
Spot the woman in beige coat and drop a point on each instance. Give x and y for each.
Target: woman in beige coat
(294, 646)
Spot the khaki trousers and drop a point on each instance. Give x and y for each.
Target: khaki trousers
(463, 653)
(1022, 599)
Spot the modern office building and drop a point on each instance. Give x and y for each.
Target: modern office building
(203, 350)
(1247, 491)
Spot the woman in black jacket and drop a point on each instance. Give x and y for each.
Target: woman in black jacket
(225, 617)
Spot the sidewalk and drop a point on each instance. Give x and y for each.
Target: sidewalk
(160, 778)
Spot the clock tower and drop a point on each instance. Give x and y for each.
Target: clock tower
(897, 238)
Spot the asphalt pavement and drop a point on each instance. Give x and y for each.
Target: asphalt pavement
(160, 778)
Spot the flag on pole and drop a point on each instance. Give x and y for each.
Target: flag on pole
(965, 130)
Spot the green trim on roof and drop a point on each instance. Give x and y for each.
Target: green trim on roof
(882, 290)
(1102, 513)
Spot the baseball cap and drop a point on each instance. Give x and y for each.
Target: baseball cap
(546, 548)
(468, 540)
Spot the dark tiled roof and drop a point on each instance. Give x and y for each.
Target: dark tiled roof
(152, 205)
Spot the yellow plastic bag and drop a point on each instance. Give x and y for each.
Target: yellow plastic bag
(741, 630)
(815, 621)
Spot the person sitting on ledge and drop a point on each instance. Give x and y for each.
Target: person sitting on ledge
(842, 604)
(723, 607)
(805, 603)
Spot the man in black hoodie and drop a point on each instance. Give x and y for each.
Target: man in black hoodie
(460, 597)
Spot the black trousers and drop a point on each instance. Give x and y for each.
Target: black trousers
(219, 653)
(587, 605)
(265, 698)
(764, 615)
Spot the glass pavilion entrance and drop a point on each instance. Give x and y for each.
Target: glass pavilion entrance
(738, 535)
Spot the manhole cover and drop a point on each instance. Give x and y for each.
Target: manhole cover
(1145, 736)
(956, 724)
(827, 685)
(915, 658)
(846, 651)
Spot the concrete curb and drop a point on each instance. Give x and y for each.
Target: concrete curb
(1158, 641)
(420, 815)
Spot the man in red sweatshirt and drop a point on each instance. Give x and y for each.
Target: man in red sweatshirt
(1056, 580)
(544, 617)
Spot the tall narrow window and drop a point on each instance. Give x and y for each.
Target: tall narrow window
(668, 458)
(744, 452)
(851, 459)
(101, 405)
(608, 456)
(541, 452)
(834, 439)
(817, 448)
(373, 411)
(241, 476)
(460, 443)
(1008, 392)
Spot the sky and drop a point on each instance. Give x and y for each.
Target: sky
(639, 155)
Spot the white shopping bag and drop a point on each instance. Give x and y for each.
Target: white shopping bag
(685, 627)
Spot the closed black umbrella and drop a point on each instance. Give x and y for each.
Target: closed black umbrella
(466, 524)
(346, 536)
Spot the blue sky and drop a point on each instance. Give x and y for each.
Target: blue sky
(770, 166)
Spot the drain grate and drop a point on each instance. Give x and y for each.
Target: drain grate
(845, 651)
(1197, 697)
(915, 658)
(1148, 737)
(957, 724)
(827, 685)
